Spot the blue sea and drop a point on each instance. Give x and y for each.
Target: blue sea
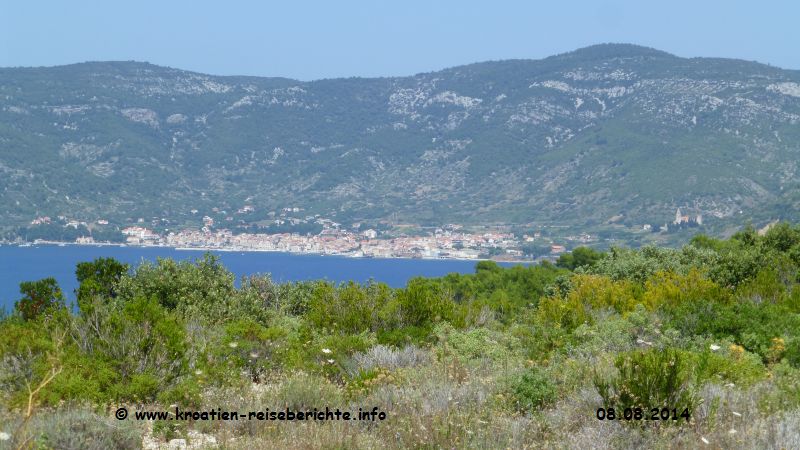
(32, 263)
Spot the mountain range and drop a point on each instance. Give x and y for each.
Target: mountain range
(613, 133)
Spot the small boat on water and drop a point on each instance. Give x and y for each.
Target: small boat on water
(26, 244)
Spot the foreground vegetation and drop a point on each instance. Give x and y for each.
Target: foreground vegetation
(518, 357)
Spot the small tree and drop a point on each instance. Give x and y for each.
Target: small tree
(580, 257)
(99, 277)
(39, 297)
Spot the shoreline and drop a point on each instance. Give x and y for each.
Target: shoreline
(254, 250)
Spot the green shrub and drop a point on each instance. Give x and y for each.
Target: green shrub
(781, 237)
(735, 266)
(203, 289)
(250, 347)
(505, 291)
(187, 392)
(608, 332)
(98, 278)
(753, 325)
(261, 298)
(579, 257)
(588, 292)
(765, 286)
(654, 378)
(365, 381)
(140, 387)
(641, 265)
(667, 290)
(39, 297)
(533, 390)
(83, 378)
(792, 355)
(476, 344)
(725, 365)
(421, 303)
(403, 336)
(29, 350)
(129, 351)
(349, 308)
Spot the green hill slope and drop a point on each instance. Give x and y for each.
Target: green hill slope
(573, 139)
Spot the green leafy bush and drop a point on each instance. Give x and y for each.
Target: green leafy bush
(727, 365)
(98, 278)
(250, 347)
(364, 381)
(39, 297)
(476, 344)
(532, 390)
(752, 325)
(654, 378)
(580, 257)
(349, 308)
(203, 289)
(421, 303)
(127, 350)
(405, 335)
(641, 265)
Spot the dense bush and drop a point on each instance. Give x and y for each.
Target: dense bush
(533, 390)
(655, 378)
(39, 297)
(204, 289)
(98, 278)
(641, 265)
(350, 308)
(123, 351)
(583, 257)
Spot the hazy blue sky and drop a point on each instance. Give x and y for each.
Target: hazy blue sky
(321, 39)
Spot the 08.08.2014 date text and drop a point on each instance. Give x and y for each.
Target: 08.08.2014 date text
(643, 414)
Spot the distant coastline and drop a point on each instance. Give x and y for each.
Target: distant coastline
(258, 250)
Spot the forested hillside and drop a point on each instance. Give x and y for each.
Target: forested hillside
(606, 132)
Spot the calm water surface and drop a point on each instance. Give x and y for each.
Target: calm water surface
(32, 263)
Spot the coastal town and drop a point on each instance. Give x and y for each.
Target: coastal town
(330, 238)
(290, 230)
(440, 244)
